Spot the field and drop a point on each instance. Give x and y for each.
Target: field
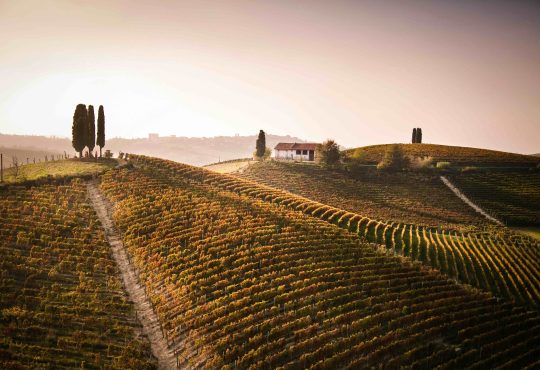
(459, 156)
(61, 301)
(245, 275)
(240, 278)
(61, 168)
(414, 198)
(492, 259)
(533, 232)
(230, 166)
(512, 197)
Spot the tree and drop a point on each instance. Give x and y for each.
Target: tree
(419, 135)
(100, 129)
(267, 153)
(260, 145)
(393, 159)
(91, 130)
(414, 135)
(79, 128)
(328, 153)
(15, 162)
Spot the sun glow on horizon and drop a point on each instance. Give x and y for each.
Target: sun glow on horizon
(359, 72)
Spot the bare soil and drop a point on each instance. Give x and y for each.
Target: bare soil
(145, 313)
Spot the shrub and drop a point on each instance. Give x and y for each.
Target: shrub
(267, 154)
(393, 159)
(443, 165)
(328, 153)
(469, 169)
(419, 163)
(356, 161)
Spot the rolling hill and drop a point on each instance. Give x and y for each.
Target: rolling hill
(512, 197)
(415, 198)
(243, 275)
(459, 156)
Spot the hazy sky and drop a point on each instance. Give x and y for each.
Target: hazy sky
(361, 72)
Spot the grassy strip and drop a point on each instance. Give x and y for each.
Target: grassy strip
(61, 168)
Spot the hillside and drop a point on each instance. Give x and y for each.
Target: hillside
(484, 259)
(460, 156)
(22, 155)
(241, 277)
(244, 275)
(62, 305)
(415, 198)
(235, 165)
(60, 168)
(512, 197)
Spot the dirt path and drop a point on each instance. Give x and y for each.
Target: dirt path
(145, 313)
(230, 167)
(468, 201)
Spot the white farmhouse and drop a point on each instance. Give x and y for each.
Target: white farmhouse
(295, 151)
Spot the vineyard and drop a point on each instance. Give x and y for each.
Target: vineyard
(242, 275)
(506, 264)
(415, 198)
(61, 302)
(461, 156)
(513, 198)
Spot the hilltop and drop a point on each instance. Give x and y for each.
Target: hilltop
(456, 155)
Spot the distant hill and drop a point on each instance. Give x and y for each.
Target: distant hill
(463, 156)
(191, 150)
(23, 154)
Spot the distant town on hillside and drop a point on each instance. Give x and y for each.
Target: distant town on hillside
(196, 151)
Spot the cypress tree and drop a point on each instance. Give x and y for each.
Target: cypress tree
(100, 129)
(78, 129)
(419, 136)
(91, 131)
(260, 145)
(414, 135)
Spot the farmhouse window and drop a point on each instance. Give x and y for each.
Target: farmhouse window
(298, 152)
(304, 152)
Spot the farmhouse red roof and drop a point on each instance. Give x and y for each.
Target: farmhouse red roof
(296, 146)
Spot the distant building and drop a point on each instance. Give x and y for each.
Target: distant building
(153, 137)
(295, 151)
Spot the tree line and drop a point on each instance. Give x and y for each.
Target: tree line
(83, 130)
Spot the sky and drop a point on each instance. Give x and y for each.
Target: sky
(360, 72)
